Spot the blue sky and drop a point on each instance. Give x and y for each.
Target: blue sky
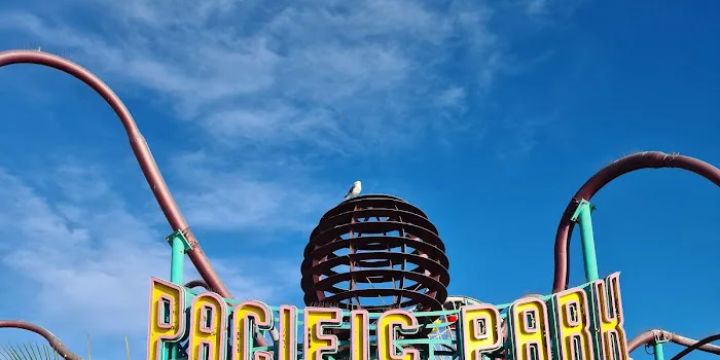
(487, 115)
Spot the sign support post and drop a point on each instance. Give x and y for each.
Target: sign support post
(658, 347)
(180, 246)
(583, 216)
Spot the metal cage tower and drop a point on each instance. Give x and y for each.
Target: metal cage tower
(375, 252)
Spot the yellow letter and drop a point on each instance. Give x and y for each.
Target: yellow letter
(529, 329)
(386, 325)
(317, 343)
(167, 322)
(613, 343)
(249, 317)
(207, 327)
(572, 327)
(288, 345)
(480, 329)
(359, 335)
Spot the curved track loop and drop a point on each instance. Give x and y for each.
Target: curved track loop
(637, 161)
(139, 147)
(698, 345)
(650, 336)
(54, 342)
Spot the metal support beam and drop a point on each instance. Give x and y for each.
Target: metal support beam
(583, 216)
(180, 246)
(659, 354)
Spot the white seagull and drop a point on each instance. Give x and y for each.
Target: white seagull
(354, 190)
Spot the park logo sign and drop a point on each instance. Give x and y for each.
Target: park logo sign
(581, 323)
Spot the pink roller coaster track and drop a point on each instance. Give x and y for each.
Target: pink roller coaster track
(139, 148)
(637, 161)
(147, 164)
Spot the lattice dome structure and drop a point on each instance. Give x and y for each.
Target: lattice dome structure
(375, 252)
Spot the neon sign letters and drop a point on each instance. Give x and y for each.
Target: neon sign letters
(583, 323)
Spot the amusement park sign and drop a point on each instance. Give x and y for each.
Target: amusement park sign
(375, 247)
(585, 323)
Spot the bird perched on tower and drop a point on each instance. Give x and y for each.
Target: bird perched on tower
(354, 190)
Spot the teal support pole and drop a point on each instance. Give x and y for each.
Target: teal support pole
(584, 218)
(180, 246)
(177, 260)
(658, 347)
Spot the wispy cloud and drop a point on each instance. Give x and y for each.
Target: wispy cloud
(85, 255)
(94, 259)
(536, 7)
(289, 73)
(219, 194)
(282, 81)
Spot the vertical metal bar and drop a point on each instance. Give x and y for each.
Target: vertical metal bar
(177, 260)
(584, 218)
(658, 347)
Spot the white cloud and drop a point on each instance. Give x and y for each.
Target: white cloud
(237, 202)
(332, 77)
(87, 256)
(252, 123)
(451, 97)
(209, 71)
(536, 7)
(164, 13)
(309, 70)
(85, 262)
(249, 197)
(277, 280)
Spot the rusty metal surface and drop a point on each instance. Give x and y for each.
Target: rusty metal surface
(651, 336)
(53, 340)
(637, 161)
(375, 252)
(139, 147)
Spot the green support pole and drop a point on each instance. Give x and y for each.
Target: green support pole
(583, 216)
(177, 260)
(180, 246)
(658, 347)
